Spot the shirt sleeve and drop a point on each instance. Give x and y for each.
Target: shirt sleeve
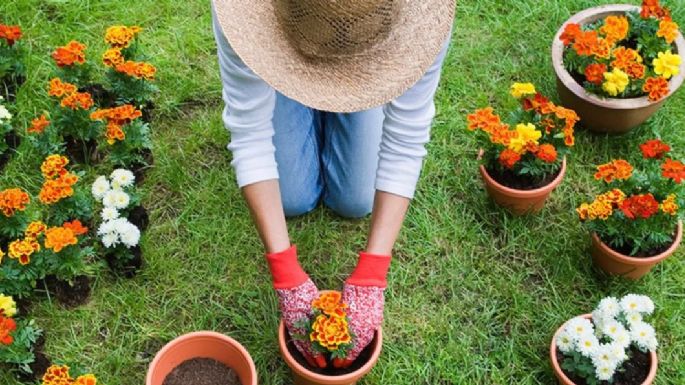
(248, 112)
(406, 130)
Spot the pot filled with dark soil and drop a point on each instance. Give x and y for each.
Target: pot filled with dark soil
(128, 268)
(139, 217)
(68, 294)
(202, 358)
(619, 262)
(82, 152)
(517, 195)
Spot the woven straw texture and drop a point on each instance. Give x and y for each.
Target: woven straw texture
(337, 55)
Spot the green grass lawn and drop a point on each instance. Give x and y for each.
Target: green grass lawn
(474, 294)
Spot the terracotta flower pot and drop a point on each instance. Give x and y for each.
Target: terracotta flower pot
(520, 202)
(616, 263)
(597, 113)
(563, 380)
(202, 345)
(304, 376)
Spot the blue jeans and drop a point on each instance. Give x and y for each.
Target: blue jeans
(326, 156)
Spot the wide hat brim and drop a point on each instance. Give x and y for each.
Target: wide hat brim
(341, 84)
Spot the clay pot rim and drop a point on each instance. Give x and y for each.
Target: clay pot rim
(654, 360)
(613, 103)
(202, 334)
(613, 254)
(331, 380)
(526, 193)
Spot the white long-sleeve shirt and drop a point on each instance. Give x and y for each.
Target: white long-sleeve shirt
(249, 111)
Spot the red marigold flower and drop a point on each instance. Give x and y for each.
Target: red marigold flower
(586, 43)
(640, 206)
(654, 149)
(508, 158)
(11, 33)
(7, 326)
(70, 54)
(594, 73)
(673, 169)
(547, 153)
(38, 125)
(76, 227)
(636, 70)
(656, 87)
(570, 33)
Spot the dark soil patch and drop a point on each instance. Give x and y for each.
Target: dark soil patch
(103, 97)
(202, 371)
(4, 159)
(13, 140)
(139, 169)
(148, 110)
(632, 372)
(363, 358)
(510, 179)
(129, 268)
(68, 295)
(80, 151)
(627, 249)
(9, 87)
(39, 366)
(139, 217)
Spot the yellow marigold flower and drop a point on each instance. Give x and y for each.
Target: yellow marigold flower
(57, 375)
(54, 166)
(120, 36)
(526, 134)
(669, 205)
(8, 307)
(2, 255)
(330, 304)
(667, 64)
(519, 90)
(112, 57)
(330, 332)
(615, 82)
(583, 211)
(57, 238)
(23, 249)
(34, 229)
(614, 197)
(600, 210)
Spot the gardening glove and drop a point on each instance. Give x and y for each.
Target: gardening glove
(363, 294)
(295, 295)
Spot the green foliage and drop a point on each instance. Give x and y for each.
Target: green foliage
(129, 151)
(78, 206)
(75, 123)
(21, 352)
(13, 227)
(12, 66)
(581, 366)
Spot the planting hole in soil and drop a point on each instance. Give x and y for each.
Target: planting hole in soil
(128, 269)
(9, 87)
(139, 217)
(147, 110)
(202, 371)
(511, 180)
(40, 364)
(80, 151)
(140, 168)
(633, 372)
(363, 358)
(70, 295)
(102, 97)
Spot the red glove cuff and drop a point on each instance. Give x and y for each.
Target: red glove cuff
(285, 270)
(371, 270)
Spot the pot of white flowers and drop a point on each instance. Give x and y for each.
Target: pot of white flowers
(612, 345)
(122, 220)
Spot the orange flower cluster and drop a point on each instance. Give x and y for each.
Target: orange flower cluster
(673, 169)
(38, 125)
(112, 57)
(58, 88)
(656, 88)
(654, 149)
(630, 61)
(508, 158)
(617, 169)
(70, 54)
(7, 327)
(10, 33)
(330, 328)
(640, 206)
(330, 304)
(668, 30)
(116, 118)
(652, 8)
(138, 70)
(69, 94)
(121, 36)
(547, 153)
(57, 238)
(594, 73)
(58, 182)
(13, 200)
(59, 375)
(615, 29)
(23, 249)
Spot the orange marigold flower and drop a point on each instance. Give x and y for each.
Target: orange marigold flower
(600, 210)
(120, 36)
(636, 70)
(640, 206)
(114, 133)
(38, 125)
(58, 88)
(501, 134)
(120, 115)
(508, 158)
(614, 197)
(34, 229)
(569, 137)
(617, 169)
(602, 49)
(13, 200)
(652, 8)
(54, 165)
(656, 87)
(22, 249)
(76, 227)
(539, 103)
(11, 33)
(86, 379)
(7, 327)
(112, 57)
(547, 153)
(82, 100)
(330, 332)
(138, 70)
(673, 169)
(668, 30)
(483, 119)
(615, 28)
(57, 238)
(594, 73)
(570, 33)
(586, 43)
(57, 375)
(55, 190)
(330, 304)
(625, 57)
(654, 149)
(70, 54)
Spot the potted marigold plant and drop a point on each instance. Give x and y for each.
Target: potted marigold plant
(327, 332)
(8, 139)
(21, 342)
(64, 199)
(12, 70)
(523, 159)
(636, 223)
(613, 345)
(617, 64)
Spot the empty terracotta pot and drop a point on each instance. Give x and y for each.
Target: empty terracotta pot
(520, 202)
(616, 263)
(304, 376)
(203, 344)
(563, 380)
(597, 113)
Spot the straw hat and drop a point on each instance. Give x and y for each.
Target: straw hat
(337, 55)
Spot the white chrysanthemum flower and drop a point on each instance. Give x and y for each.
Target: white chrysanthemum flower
(633, 318)
(123, 177)
(109, 213)
(106, 228)
(588, 345)
(100, 187)
(565, 342)
(613, 328)
(120, 225)
(609, 307)
(603, 356)
(618, 352)
(622, 339)
(5, 115)
(131, 236)
(605, 372)
(121, 199)
(579, 327)
(110, 240)
(600, 319)
(646, 305)
(631, 303)
(644, 336)
(109, 199)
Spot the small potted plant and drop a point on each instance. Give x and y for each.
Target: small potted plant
(9, 140)
(617, 64)
(612, 345)
(523, 159)
(635, 223)
(202, 357)
(327, 332)
(64, 198)
(13, 218)
(60, 374)
(12, 70)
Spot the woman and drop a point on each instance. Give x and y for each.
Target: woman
(332, 102)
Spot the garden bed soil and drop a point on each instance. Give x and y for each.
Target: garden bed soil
(147, 110)
(139, 217)
(68, 295)
(511, 180)
(363, 358)
(9, 87)
(634, 371)
(202, 371)
(81, 152)
(13, 140)
(139, 169)
(130, 268)
(102, 97)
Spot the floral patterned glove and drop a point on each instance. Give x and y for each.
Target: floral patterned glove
(364, 295)
(295, 295)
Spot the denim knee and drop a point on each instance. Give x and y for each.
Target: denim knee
(294, 206)
(350, 207)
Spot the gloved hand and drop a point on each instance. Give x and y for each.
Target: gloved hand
(295, 295)
(363, 293)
